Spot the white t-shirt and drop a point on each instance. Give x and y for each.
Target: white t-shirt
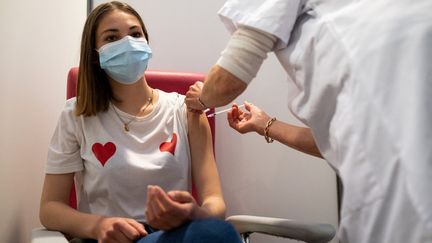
(360, 78)
(114, 167)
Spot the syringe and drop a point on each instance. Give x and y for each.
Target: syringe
(222, 111)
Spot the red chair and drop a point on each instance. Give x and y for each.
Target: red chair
(164, 80)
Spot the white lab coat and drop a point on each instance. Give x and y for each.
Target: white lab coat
(360, 75)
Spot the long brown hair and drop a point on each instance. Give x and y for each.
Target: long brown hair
(93, 90)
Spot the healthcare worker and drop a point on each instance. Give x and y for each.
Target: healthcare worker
(360, 77)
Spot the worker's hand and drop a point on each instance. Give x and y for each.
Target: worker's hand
(254, 120)
(167, 211)
(119, 230)
(192, 97)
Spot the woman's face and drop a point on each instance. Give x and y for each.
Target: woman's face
(115, 25)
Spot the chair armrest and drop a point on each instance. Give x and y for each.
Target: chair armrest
(307, 232)
(42, 235)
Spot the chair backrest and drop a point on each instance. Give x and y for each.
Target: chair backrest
(167, 81)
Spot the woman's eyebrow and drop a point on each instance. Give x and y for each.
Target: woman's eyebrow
(116, 30)
(133, 27)
(109, 30)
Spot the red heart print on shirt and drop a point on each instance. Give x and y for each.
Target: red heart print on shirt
(169, 146)
(103, 152)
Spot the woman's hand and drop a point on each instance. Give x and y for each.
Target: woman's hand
(254, 120)
(167, 211)
(119, 230)
(192, 97)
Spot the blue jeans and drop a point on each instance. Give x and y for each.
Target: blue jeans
(197, 231)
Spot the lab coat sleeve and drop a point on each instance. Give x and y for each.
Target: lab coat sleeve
(276, 17)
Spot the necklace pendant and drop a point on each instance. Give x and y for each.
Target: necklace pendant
(126, 127)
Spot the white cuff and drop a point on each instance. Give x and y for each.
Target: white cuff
(245, 52)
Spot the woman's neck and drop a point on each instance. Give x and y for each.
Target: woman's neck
(134, 97)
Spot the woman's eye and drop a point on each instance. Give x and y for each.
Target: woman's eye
(111, 38)
(136, 35)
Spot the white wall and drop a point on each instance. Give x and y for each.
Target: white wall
(39, 43)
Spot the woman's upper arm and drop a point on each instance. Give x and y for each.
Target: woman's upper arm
(204, 170)
(57, 187)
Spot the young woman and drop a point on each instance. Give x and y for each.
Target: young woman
(132, 150)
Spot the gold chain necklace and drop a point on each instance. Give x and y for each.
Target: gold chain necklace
(126, 124)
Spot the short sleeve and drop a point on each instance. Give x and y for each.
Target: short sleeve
(182, 111)
(276, 17)
(64, 150)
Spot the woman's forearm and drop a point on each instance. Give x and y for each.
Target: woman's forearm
(60, 217)
(299, 138)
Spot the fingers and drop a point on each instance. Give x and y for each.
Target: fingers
(159, 207)
(138, 227)
(236, 112)
(154, 204)
(162, 200)
(114, 236)
(181, 196)
(195, 89)
(153, 210)
(129, 232)
(248, 106)
(194, 110)
(120, 238)
(232, 117)
(194, 105)
(197, 86)
(121, 230)
(164, 212)
(192, 95)
(235, 118)
(152, 214)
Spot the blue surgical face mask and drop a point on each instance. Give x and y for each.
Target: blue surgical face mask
(125, 60)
